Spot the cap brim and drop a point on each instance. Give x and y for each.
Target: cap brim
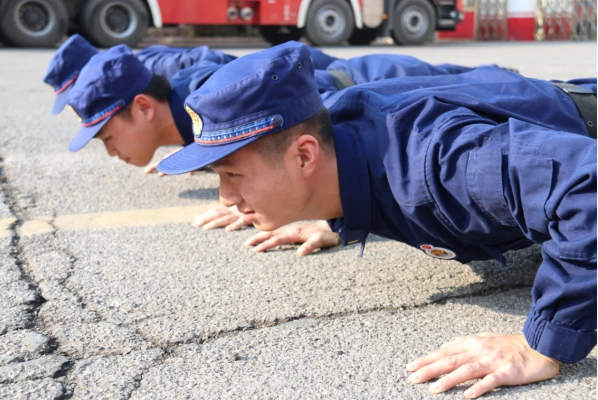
(85, 134)
(61, 100)
(195, 156)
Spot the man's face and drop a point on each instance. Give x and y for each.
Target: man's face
(130, 136)
(269, 193)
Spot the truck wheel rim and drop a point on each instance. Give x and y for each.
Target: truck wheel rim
(414, 21)
(118, 19)
(34, 17)
(330, 21)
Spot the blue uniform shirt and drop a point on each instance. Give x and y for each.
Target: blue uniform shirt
(375, 67)
(469, 166)
(168, 61)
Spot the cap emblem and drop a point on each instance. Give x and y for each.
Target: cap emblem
(197, 122)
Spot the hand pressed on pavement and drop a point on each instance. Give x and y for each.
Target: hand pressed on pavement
(229, 218)
(313, 236)
(497, 359)
(153, 167)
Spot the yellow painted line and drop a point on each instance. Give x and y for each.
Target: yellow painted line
(36, 227)
(118, 219)
(5, 227)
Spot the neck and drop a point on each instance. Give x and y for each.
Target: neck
(326, 201)
(169, 133)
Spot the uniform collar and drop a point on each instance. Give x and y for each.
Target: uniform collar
(182, 120)
(354, 184)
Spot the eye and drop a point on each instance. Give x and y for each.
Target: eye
(107, 139)
(231, 174)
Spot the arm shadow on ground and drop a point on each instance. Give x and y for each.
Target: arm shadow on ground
(495, 278)
(522, 268)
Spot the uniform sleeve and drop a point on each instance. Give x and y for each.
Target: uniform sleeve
(520, 177)
(193, 77)
(562, 320)
(377, 67)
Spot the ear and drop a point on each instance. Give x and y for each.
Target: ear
(146, 105)
(307, 153)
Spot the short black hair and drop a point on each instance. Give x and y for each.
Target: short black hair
(158, 88)
(274, 145)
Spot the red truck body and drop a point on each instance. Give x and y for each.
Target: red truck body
(323, 22)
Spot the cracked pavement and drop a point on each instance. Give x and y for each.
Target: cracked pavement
(165, 310)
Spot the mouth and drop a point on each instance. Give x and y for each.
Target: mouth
(248, 216)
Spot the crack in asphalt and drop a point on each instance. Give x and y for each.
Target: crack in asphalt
(16, 251)
(17, 254)
(166, 354)
(270, 324)
(70, 272)
(168, 350)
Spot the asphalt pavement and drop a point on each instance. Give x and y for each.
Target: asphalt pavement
(108, 292)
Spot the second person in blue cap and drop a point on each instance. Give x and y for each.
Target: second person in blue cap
(119, 101)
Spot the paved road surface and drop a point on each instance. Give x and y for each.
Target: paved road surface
(107, 292)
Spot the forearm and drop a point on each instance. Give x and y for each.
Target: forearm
(562, 320)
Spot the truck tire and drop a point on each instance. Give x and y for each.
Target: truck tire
(107, 23)
(276, 35)
(33, 23)
(329, 22)
(363, 37)
(413, 22)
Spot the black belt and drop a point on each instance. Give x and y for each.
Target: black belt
(341, 79)
(585, 101)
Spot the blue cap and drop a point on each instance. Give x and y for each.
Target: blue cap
(107, 84)
(65, 66)
(252, 96)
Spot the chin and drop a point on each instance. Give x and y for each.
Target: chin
(139, 163)
(266, 226)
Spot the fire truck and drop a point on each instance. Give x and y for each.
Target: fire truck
(43, 23)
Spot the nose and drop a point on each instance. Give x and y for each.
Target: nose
(111, 150)
(229, 196)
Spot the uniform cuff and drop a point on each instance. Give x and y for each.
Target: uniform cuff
(563, 344)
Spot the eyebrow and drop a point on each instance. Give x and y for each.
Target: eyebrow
(99, 133)
(221, 163)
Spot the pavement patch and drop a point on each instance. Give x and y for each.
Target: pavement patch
(111, 377)
(43, 389)
(43, 367)
(82, 340)
(22, 345)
